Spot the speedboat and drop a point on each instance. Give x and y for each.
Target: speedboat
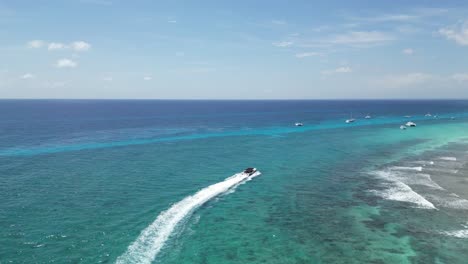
(410, 124)
(250, 171)
(367, 117)
(298, 124)
(402, 127)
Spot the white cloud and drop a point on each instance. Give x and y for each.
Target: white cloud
(147, 78)
(419, 79)
(408, 51)
(108, 79)
(414, 15)
(202, 69)
(361, 37)
(56, 46)
(80, 46)
(66, 63)
(321, 28)
(408, 29)
(458, 33)
(391, 18)
(307, 54)
(52, 46)
(344, 69)
(460, 77)
(27, 76)
(283, 44)
(35, 44)
(354, 39)
(172, 21)
(54, 84)
(278, 22)
(97, 2)
(405, 80)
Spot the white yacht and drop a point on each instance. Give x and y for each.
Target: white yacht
(368, 116)
(428, 115)
(350, 120)
(410, 124)
(298, 124)
(402, 127)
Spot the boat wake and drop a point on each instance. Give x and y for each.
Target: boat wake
(151, 240)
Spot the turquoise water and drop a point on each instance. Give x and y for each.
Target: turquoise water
(106, 182)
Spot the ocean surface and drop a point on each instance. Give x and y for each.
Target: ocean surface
(158, 181)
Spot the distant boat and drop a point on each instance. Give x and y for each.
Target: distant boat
(350, 120)
(428, 115)
(410, 124)
(402, 127)
(368, 116)
(298, 124)
(407, 116)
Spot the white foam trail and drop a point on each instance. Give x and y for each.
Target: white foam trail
(150, 241)
(406, 168)
(448, 158)
(399, 191)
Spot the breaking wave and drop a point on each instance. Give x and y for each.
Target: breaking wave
(399, 191)
(406, 168)
(448, 158)
(457, 233)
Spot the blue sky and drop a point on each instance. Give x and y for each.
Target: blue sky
(233, 49)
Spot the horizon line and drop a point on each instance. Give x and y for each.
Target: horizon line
(237, 99)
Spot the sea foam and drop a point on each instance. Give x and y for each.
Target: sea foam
(406, 168)
(151, 240)
(450, 201)
(399, 191)
(448, 158)
(457, 233)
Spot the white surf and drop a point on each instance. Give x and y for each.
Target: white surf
(406, 168)
(448, 158)
(457, 233)
(399, 191)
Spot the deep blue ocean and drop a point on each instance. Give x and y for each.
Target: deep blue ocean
(158, 181)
